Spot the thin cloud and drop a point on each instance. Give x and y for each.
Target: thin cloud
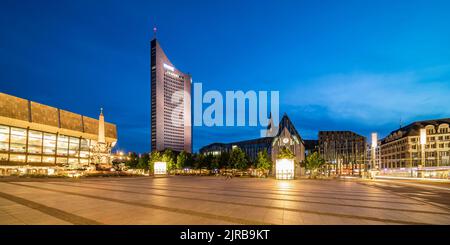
(377, 98)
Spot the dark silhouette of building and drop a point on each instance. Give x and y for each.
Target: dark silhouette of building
(311, 146)
(343, 151)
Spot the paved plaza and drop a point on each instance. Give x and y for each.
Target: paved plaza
(215, 200)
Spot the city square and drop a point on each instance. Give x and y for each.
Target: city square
(225, 121)
(192, 200)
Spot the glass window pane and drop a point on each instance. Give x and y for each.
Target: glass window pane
(49, 143)
(34, 149)
(16, 158)
(61, 160)
(34, 159)
(48, 136)
(35, 134)
(35, 141)
(48, 159)
(4, 146)
(74, 140)
(84, 154)
(73, 160)
(84, 143)
(73, 153)
(49, 150)
(4, 129)
(17, 147)
(18, 131)
(74, 146)
(3, 157)
(63, 138)
(4, 137)
(63, 145)
(18, 139)
(84, 161)
(62, 151)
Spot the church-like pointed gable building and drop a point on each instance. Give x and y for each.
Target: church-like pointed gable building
(277, 137)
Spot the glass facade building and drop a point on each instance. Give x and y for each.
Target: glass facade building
(36, 136)
(170, 103)
(32, 147)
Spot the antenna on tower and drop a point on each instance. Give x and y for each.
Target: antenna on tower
(154, 32)
(401, 122)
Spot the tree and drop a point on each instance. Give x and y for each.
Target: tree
(238, 159)
(263, 161)
(314, 162)
(199, 158)
(207, 161)
(143, 161)
(286, 153)
(223, 160)
(169, 158)
(189, 160)
(182, 159)
(155, 156)
(213, 162)
(133, 160)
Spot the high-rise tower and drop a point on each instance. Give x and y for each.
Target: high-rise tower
(170, 103)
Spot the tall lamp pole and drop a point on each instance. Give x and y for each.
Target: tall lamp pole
(423, 142)
(374, 145)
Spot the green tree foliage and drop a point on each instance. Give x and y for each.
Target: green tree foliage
(207, 161)
(238, 159)
(314, 162)
(223, 160)
(198, 160)
(285, 153)
(155, 156)
(169, 158)
(263, 161)
(143, 161)
(215, 162)
(189, 160)
(182, 159)
(133, 160)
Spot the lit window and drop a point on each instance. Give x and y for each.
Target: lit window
(17, 158)
(34, 159)
(4, 138)
(3, 157)
(61, 160)
(73, 160)
(48, 159)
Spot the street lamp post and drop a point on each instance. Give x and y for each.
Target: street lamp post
(374, 147)
(423, 142)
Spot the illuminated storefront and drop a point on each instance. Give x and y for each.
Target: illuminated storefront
(284, 169)
(160, 168)
(21, 145)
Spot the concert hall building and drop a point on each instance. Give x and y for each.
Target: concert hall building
(40, 139)
(170, 104)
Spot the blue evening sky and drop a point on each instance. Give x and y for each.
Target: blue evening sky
(339, 65)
